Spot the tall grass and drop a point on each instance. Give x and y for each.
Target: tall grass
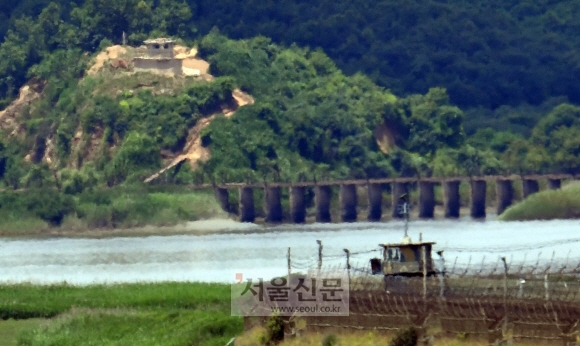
(31, 301)
(127, 314)
(546, 205)
(126, 327)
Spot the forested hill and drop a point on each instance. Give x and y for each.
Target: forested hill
(310, 119)
(484, 52)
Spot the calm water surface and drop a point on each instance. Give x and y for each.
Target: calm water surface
(260, 251)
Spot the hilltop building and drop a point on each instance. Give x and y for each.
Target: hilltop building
(159, 57)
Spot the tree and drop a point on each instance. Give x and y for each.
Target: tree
(138, 154)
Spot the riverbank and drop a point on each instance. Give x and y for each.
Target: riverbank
(547, 205)
(48, 212)
(174, 210)
(127, 314)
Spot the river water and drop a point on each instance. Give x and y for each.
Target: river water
(260, 251)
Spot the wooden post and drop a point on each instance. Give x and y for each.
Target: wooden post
(442, 274)
(547, 286)
(319, 254)
(424, 259)
(347, 263)
(289, 267)
(505, 292)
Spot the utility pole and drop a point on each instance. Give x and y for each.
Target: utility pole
(319, 254)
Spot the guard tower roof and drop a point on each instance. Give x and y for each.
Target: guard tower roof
(407, 244)
(161, 40)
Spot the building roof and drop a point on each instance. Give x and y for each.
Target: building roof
(407, 244)
(161, 40)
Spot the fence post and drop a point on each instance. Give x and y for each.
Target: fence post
(347, 262)
(289, 267)
(505, 293)
(319, 254)
(547, 286)
(442, 274)
(424, 260)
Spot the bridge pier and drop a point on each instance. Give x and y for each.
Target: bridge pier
(375, 195)
(505, 195)
(478, 195)
(273, 204)
(247, 212)
(223, 198)
(452, 198)
(397, 190)
(297, 205)
(322, 196)
(426, 200)
(348, 202)
(554, 184)
(530, 186)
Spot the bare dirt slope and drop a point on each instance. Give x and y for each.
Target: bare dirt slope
(28, 93)
(193, 150)
(107, 64)
(111, 53)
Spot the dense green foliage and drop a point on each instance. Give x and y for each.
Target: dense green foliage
(513, 73)
(32, 211)
(128, 314)
(485, 53)
(310, 121)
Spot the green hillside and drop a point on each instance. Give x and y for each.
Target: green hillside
(314, 115)
(485, 53)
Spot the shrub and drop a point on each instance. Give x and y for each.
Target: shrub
(49, 205)
(406, 337)
(274, 330)
(329, 340)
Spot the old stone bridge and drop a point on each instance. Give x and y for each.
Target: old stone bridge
(348, 196)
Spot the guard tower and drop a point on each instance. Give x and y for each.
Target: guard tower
(405, 258)
(160, 48)
(159, 57)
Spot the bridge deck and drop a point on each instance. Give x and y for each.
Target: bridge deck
(385, 181)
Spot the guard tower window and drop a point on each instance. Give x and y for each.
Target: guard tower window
(165, 46)
(393, 254)
(156, 46)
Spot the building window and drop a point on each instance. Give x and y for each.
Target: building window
(156, 46)
(166, 46)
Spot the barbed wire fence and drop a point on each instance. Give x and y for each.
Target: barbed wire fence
(495, 297)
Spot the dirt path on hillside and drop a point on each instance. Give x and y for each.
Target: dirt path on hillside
(113, 52)
(194, 151)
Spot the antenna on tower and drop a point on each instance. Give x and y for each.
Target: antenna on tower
(404, 210)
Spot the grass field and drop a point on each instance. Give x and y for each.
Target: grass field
(188, 314)
(132, 314)
(10, 329)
